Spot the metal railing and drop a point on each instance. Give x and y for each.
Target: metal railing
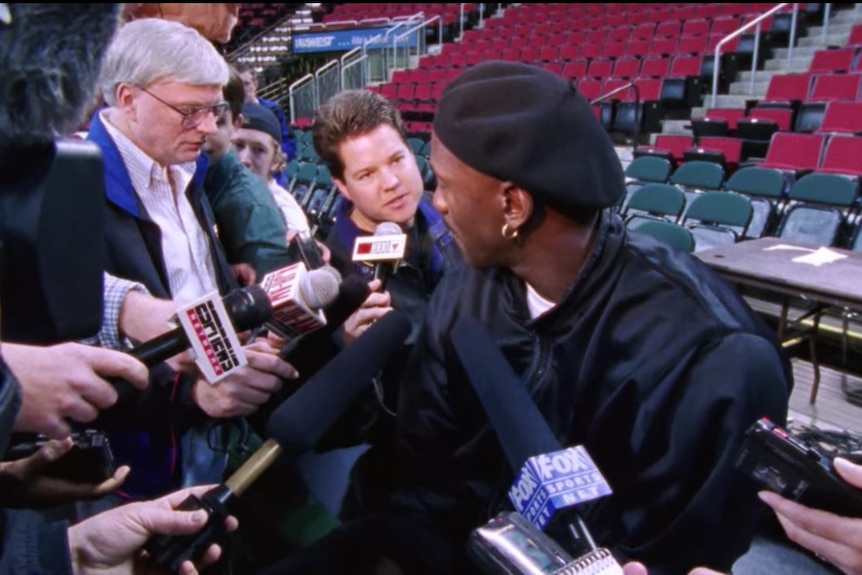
(716, 62)
(376, 50)
(413, 43)
(353, 70)
(328, 81)
(275, 91)
(302, 97)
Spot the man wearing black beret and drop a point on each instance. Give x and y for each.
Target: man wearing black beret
(635, 351)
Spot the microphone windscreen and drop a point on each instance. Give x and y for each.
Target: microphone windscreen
(319, 288)
(303, 418)
(518, 423)
(248, 307)
(388, 229)
(352, 293)
(50, 75)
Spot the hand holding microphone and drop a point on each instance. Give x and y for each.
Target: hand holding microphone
(385, 250)
(375, 306)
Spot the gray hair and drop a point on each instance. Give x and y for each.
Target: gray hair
(50, 58)
(152, 49)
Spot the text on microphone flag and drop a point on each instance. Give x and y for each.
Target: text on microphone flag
(214, 342)
(379, 248)
(553, 481)
(282, 284)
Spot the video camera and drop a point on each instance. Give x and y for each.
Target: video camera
(89, 461)
(795, 469)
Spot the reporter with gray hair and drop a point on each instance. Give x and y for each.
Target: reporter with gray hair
(162, 82)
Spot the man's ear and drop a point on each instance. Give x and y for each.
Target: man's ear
(124, 97)
(342, 187)
(517, 205)
(237, 122)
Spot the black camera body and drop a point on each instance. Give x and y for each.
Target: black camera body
(89, 461)
(796, 470)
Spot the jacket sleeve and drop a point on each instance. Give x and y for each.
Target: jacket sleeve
(30, 546)
(253, 232)
(167, 397)
(681, 502)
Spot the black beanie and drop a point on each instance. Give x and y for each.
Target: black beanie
(259, 117)
(523, 124)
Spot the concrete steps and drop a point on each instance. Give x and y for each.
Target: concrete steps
(675, 127)
(741, 91)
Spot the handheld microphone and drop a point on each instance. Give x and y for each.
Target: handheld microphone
(298, 297)
(304, 246)
(294, 427)
(512, 545)
(304, 352)
(384, 249)
(246, 308)
(550, 480)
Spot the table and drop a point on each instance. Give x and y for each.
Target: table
(826, 277)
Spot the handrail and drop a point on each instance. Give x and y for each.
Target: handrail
(415, 29)
(290, 91)
(325, 67)
(325, 25)
(371, 21)
(716, 63)
(613, 92)
(461, 20)
(383, 35)
(344, 68)
(347, 55)
(827, 9)
(332, 63)
(271, 89)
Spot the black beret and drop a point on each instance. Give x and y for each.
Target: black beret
(523, 124)
(259, 117)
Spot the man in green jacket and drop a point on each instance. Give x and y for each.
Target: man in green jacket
(250, 226)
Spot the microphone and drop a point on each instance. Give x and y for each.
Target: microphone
(209, 327)
(294, 427)
(551, 480)
(512, 545)
(298, 296)
(298, 423)
(304, 352)
(384, 249)
(305, 248)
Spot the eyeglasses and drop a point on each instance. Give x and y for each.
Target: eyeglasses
(192, 118)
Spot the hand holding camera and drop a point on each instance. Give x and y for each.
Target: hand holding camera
(47, 472)
(817, 499)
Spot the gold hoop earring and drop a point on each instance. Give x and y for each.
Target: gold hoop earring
(509, 232)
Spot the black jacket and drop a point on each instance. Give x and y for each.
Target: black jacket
(651, 361)
(27, 543)
(146, 425)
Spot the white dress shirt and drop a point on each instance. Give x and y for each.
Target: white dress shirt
(185, 246)
(294, 217)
